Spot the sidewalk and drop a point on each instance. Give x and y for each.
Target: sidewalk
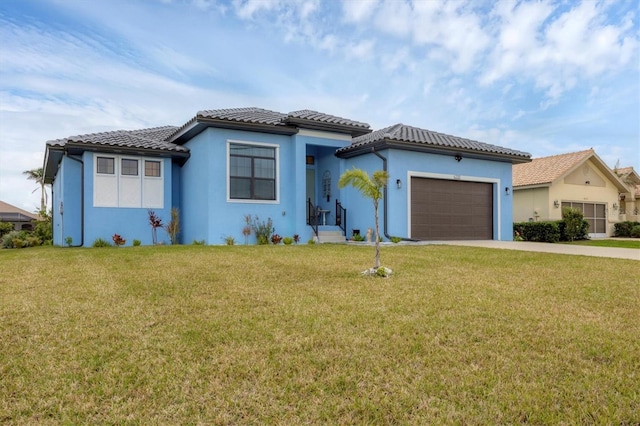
(612, 252)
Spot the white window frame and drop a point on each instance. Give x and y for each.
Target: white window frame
(277, 178)
(119, 180)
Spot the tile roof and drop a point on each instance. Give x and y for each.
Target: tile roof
(9, 213)
(428, 138)
(259, 116)
(245, 115)
(307, 114)
(152, 138)
(547, 169)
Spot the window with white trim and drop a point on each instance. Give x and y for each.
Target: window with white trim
(118, 182)
(252, 171)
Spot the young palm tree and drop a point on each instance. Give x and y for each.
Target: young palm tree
(38, 176)
(369, 187)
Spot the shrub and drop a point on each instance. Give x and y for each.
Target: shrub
(118, 240)
(635, 231)
(581, 234)
(296, 238)
(68, 241)
(100, 242)
(311, 241)
(136, 243)
(287, 241)
(545, 232)
(276, 239)
(357, 237)
(228, 240)
(623, 229)
(396, 240)
(572, 219)
(263, 230)
(5, 228)
(44, 228)
(198, 242)
(246, 230)
(14, 239)
(173, 227)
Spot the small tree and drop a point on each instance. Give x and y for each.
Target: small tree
(369, 187)
(155, 223)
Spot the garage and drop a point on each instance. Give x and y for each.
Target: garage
(451, 209)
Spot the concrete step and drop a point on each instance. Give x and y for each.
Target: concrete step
(331, 237)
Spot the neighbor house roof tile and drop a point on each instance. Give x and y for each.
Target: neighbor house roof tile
(428, 138)
(545, 170)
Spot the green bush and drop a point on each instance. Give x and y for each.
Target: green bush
(635, 231)
(623, 229)
(287, 241)
(581, 234)
(136, 243)
(5, 228)
(544, 232)
(100, 242)
(198, 242)
(16, 239)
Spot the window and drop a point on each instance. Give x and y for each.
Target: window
(252, 172)
(129, 167)
(118, 181)
(152, 168)
(106, 165)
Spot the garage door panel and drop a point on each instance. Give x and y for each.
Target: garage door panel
(451, 210)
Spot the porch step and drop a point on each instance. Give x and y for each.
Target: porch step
(331, 237)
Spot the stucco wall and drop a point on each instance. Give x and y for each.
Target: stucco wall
(527, 202)
(129, 223)
(403, 164)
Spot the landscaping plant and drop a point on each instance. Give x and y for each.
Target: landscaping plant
(369, 187)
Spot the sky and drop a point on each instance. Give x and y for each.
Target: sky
(544, 77)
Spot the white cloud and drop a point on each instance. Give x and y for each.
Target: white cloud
(358, 10)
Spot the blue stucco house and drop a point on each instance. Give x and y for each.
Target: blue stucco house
(225, 164)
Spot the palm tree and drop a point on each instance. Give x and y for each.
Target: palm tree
(369, 187)
(38, 176)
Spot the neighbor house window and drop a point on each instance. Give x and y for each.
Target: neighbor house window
(106, 165)
(252, 172)
(129, 167)
(152, 168)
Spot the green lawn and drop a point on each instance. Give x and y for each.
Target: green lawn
(294, 335)
(630, 243)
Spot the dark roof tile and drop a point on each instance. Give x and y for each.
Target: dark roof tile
(422, 137)
(152, 138)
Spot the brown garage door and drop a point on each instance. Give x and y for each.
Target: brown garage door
(451, 210)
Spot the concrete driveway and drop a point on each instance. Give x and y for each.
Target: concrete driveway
(613, 252)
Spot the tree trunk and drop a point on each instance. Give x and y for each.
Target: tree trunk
(377, 261)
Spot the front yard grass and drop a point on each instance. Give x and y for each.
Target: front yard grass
(294, 335)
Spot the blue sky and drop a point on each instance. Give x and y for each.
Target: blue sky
(545, 77)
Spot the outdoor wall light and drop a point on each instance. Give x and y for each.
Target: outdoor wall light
(556, 203)
(458, 157)
(399, 183)
(507, 190)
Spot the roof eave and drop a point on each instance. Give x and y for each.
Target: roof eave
(430, 149)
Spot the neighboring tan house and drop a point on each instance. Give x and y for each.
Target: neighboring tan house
(21, 219)
(223, 165)
(579, 179)
(629, 200)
